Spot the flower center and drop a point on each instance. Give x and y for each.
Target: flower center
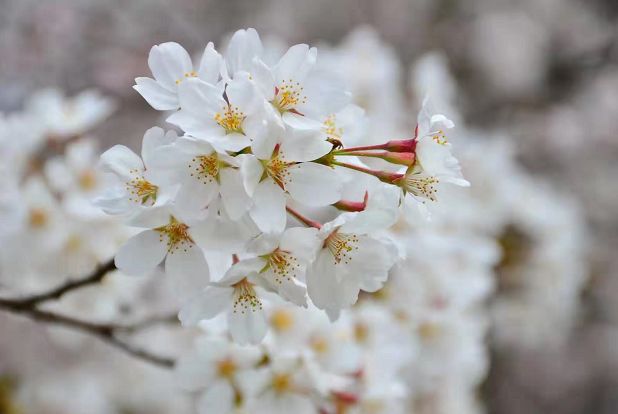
(87, 180)
(231, 118)
(177, 235)
(205, 168)
(428, 330)
(288, 95)
(245, 298)
(142, 191)
(282, 320)
(281, 383)
(283, 265)
(341, 246)
(439, 137)
(319, 345)
(277, 169)
(226, 368)
(37, 218)
(421, 185)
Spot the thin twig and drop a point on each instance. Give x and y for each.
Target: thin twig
(306, 221)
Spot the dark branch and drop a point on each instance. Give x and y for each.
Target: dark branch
(108, 333)
(105, 332)
(95, 277)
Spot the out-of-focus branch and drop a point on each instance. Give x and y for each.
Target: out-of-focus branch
(95, 277)
(108, 333)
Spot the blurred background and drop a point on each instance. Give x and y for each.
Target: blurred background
(542, 72)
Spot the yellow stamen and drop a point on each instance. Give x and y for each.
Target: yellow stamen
(341, 246)
(246, 299)
(141, 191)
(205, 168)
(177, 235)
(288, 95)
(231, 118)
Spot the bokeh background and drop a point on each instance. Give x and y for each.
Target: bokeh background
(543, 72)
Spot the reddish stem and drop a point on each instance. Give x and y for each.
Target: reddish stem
(384, 176)
(306, 221)
(347, 205)
(401, 158)
(395, 145)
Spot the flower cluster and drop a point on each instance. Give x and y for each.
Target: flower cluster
(48, 227)
(225, 206)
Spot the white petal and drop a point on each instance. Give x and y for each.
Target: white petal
(251, 170)
(200, 98)
(304, 145)
(218, 399)
(206, 305)
(296, 63)
(301, 242)
(121, 161)
(324, 288)
(194, 195)
(154, 138)
(371, 262)
(288, 287)
(220, 234)
(247, 327)
(263, 78)
(169, 62)
(243, 47)
(160, 98)
(313, 184)
(265, 128)
(241, 270)
(301, 122)
(188, 269)
(235, 199)
(210, 65)
(325, 95)
(241, 93)
(141, 253)
(268, 210)
(149, 217)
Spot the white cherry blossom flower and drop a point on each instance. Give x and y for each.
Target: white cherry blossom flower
(283, 261)
(271, 177)
(299, 91)
(348, 261)
(229, 119)
(433, 151)
(63, 117)
(238, 297)
(284, 386)
(137, 184)
(215, 369)
(203, 174)
(168, 241)
(171, 65)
